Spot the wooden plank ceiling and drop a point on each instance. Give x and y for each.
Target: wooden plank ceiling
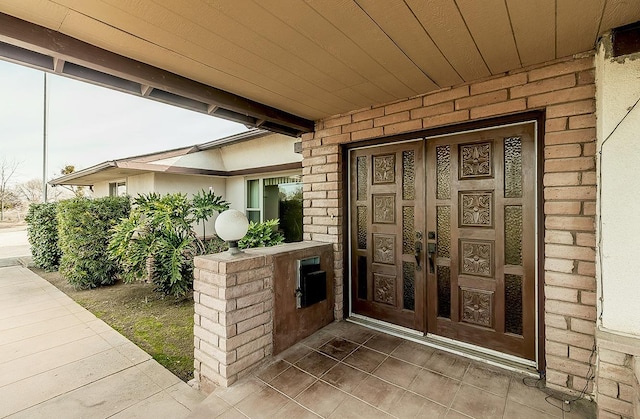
(316, 58)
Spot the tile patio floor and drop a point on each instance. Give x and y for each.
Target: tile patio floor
(348, 371)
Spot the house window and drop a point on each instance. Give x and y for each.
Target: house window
(117, 189)
(254, 212)
(277, 197)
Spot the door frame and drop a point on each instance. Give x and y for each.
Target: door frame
(535, 117)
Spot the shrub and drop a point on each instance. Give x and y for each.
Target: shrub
(215, 245)
(158, 239)
(84, 229)
(263, 234)
(42, 230)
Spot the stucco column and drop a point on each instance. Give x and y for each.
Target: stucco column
(618, 230)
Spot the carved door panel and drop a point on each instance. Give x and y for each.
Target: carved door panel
(480, 205)
(387, 221)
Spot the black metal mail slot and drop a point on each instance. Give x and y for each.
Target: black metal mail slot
(313, 285)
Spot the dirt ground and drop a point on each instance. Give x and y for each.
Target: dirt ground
(162, 326)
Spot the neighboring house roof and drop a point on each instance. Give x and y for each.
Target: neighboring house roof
(159, 162)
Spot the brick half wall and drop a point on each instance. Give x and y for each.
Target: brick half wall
(235, 323)
(565, 90)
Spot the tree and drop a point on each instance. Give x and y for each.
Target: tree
(7, 170)
(78, 191)
(31, 191)
(12, 199)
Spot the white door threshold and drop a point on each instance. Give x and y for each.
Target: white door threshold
(476, 353)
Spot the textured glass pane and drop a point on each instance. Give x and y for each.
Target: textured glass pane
(408, 285)
(362, 227)
(513, 234)
(408, 244)
(443, 170)
(444, 292)
(513, 304)
(408, 175)
(443, 232)
(362, 178)
(362, 277)
(513, 167)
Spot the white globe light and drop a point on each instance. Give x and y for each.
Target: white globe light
(231, 225)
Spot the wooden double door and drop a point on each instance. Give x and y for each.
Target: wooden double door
(443, 237)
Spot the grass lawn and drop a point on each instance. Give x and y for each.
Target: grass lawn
(162, 326)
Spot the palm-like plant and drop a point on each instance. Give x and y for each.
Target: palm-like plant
(205, 204)
(158, 241)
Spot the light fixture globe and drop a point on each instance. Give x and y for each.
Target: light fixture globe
(231, 226)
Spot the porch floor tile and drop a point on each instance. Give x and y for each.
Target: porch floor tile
(348, 371)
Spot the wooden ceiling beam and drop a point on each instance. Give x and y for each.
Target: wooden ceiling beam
(38, 47)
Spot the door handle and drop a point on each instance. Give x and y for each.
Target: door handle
(431, 250)
(418, 254)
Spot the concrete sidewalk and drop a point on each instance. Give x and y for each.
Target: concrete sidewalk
(58, 360)
(14, 246)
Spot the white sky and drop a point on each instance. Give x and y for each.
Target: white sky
(89, 124)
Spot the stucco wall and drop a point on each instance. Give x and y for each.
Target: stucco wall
(266, 151)
(208, 159)
(140, 184)
(100, 189)
(236, 192)
(618, 87)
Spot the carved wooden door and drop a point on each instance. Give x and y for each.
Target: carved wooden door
(480, 216)
(387, 223)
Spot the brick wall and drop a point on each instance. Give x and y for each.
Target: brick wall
(236, 325)
(233, 317)
(565, 90)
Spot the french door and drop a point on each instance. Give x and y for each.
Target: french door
(443, 237)
(387, 213)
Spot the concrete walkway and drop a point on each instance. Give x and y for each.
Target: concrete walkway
(14, 245)
(57, 360)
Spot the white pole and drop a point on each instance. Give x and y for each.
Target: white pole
(44, 143)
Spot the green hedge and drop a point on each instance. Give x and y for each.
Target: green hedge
(42, 230)
(84, 230)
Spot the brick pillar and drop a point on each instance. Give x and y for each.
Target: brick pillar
(233, 321)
